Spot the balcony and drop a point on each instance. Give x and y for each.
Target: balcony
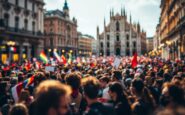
(23, 32)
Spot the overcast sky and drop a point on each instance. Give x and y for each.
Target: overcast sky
(91, 13)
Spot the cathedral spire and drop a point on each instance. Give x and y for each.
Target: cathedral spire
(130, 18)
(124, 12)
(104, 22)
(112, 11)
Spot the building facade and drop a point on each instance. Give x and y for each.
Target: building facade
(21, 28)
(60, 32)
(94, 47)
(121, 37)
(156, 40)
(150, 44)
(85, 45)
(172, 28)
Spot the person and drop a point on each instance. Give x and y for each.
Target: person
(104, 81)
(144, 102)
(121, 104)
(91, 87)
(74, 80)
(19, 109)
(51, 98)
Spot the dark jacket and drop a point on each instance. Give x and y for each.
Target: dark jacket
(99, 109)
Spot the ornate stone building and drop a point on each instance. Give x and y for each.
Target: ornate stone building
(60, 32)
(121, 37)
(21, 28)
(172, 28)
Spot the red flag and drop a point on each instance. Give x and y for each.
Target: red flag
(64, 61)
(134, 61)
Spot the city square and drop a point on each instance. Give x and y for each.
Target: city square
(90, 57)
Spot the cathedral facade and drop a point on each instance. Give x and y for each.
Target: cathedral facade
(121, 37)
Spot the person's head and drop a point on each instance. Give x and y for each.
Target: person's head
(137, 86)
(116, 76)
(52, 98)
(116, 91)
(19, 109)
(91, 88)
(73, 80)
(104, 81)
(25, 97)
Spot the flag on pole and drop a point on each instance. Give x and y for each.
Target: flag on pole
(43, 57)
(16, 90)
(134, 61)
(57, 56)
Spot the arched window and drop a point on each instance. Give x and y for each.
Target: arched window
(101, 44)
(134, 44)
(127, 37)
(117, 26)
(118, 38)
(6, 20)
(16, 23)
(33, 27)
(26, 24)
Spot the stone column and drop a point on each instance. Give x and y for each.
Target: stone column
(28, 52)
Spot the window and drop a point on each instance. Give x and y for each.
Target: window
(51, 42)
(108, 44)
(117, 38)
(33, 27)
(108, 37)
(134, 44)
(25, 4)
(117, 26)
(127, 37)
(101, 44)
(17, 2)
(6, 20)
(26, 24)
(128, 45)
(33, 6)
(16, 23)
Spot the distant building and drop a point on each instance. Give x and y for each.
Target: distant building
(150, 44)
(121, 37)
(94, 47)
(21, 28)
(60, 32)
(85, 45)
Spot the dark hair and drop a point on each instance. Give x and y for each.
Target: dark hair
(138, 85)
(91, 87)
(3, 86)
(117, 75)
(177, 94)
(73, 80)
(19, 109)
(118, 89)
(105, 79)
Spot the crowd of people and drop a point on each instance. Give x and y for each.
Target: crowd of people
(154, 87)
